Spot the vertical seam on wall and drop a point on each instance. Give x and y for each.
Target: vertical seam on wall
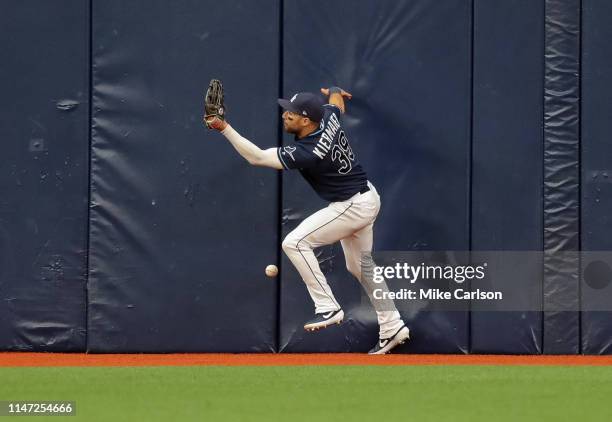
(279, 227)
(580, 177)
(542, 289)
(562, 47)
(471, 158)
(89, 172)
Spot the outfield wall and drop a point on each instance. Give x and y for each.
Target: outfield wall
(125, 226)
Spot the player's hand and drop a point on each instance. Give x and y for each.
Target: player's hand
(347, 95)
(215, 123)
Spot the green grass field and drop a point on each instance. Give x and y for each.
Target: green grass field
(319, 393)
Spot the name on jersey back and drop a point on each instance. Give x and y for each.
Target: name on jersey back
(327, 137)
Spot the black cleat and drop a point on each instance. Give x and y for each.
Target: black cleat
(324, 319)
(384, 345)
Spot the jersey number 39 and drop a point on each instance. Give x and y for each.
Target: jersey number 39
(343, 154)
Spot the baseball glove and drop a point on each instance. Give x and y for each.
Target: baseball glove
(214, 106)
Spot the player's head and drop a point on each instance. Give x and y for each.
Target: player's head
(304, 110)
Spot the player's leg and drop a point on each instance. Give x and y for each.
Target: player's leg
(324, 227)
(357, 252)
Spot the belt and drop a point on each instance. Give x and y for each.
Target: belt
(365, 189)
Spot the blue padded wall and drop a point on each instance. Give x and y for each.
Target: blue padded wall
(596, 171)
(507, 167)
(181, 228)
(44, 129)
(483, 124)
(407, 64)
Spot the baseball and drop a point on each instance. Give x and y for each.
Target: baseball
(271, 270)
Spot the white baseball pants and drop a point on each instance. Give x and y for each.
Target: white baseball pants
(351, 222)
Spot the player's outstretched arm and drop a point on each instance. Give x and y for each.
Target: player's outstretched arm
(248, 150)
(337, 96)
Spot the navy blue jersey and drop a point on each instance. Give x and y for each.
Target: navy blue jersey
(326, 160)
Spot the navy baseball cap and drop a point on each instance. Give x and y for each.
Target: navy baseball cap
(305, 104)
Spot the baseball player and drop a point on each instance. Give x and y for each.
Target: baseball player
(323, 155)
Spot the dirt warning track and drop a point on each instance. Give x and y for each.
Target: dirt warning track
(22, 359)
